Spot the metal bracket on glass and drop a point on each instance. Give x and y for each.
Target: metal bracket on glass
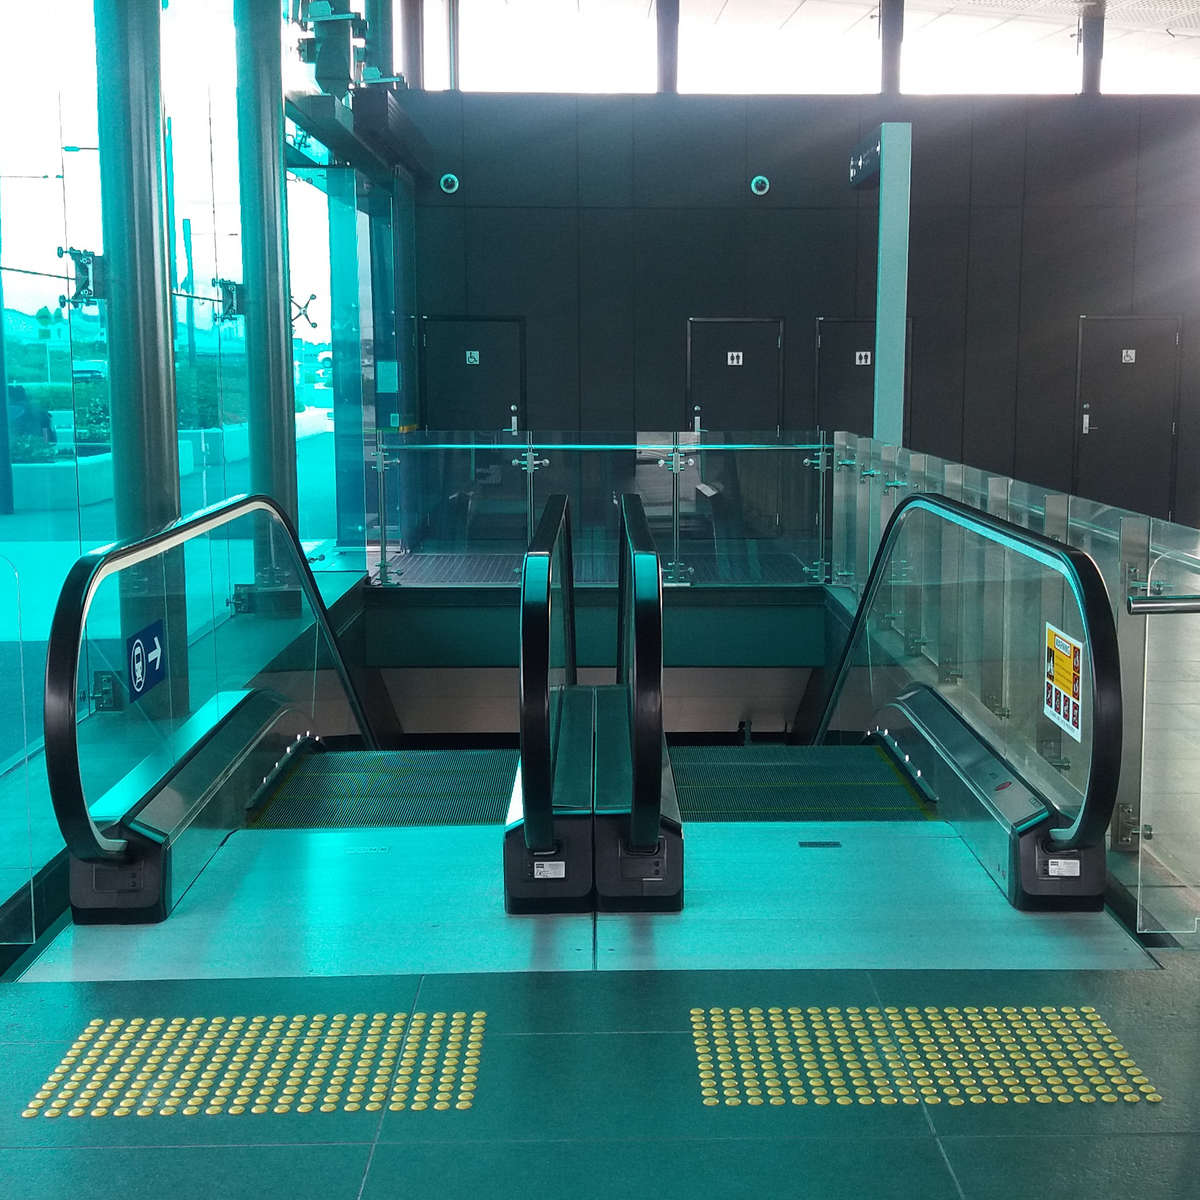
(301, 310)
(868, 473)
(845, 462)
(107, 691)
(530, 462)
(817, 461)
(676, 462)
(233, 299)
(1126, 830)
(894, 483)
(89, 278)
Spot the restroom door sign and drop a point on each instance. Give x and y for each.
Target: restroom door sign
(1064, 682)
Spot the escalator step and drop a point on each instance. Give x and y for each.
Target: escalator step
(407, 787)
(769, 782)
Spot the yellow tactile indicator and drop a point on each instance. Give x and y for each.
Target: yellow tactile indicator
(319, 1063)
(889, 1055)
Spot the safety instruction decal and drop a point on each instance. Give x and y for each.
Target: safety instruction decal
(1064, 681)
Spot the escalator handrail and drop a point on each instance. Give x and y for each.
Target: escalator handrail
(1099, 635)
(537, 629)
(639, 667)
(82, 836)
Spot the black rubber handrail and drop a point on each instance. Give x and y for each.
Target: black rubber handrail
(538, 732)
(639, 667)
(82, 836)
(1099, 636)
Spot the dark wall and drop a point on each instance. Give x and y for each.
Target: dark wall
(607, 221)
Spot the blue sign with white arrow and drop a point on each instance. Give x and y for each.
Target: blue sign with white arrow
(146, 654)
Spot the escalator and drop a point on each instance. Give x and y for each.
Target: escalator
(229, 708)
(960, 609)
(594, 822)
(246, 768)
(227, 705)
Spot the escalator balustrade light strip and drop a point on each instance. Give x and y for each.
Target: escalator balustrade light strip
(233, 1066)
(891, 1055)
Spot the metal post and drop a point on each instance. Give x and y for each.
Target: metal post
(264, 251)
(891, 288)
(1091, 44)
(380, 35)
(141, 362)
(412, 24)
(668, 45)
(891, 35)
(1126, 828)
(452, 39)
(381, 466)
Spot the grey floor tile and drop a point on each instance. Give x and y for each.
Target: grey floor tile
(621, 1085)
(612, 1001)
(1149, 1166)
(679, 1169)
(295, 1172)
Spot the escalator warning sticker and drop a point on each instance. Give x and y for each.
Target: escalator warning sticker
(1064, 681)
(549, 870)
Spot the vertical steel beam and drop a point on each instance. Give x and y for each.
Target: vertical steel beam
(141, 360)
(891, 287)
(1091, 42)
(412, 28)
(380, 36)
(667, 12)
(264, 251)
(453, 39)
(141, 364)
(891, 37)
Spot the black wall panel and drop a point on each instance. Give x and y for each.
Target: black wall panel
(1082, 151)
(993, 322)
(1168, 152)
(607, 221)
(607, 330)
(803, 148)
(800, 263)
(998, 151)
(688, 263)
(1074, 261)
(518, 153)
(439, 116)
(937, 284)
(689, 151)
(442, 261)
(524, 262)
(605, 126)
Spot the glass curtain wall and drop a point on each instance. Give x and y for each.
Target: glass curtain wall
(353, 348)
(954, 48)
(56, 479)
(779, 47)
(199, 82)
(606, 46)
(1158, 60)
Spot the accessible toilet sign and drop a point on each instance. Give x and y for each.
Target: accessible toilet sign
(146, 655)
(1064, 681)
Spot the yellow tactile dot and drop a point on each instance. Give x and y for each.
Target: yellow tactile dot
(970, 1055)
(210, 1066)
